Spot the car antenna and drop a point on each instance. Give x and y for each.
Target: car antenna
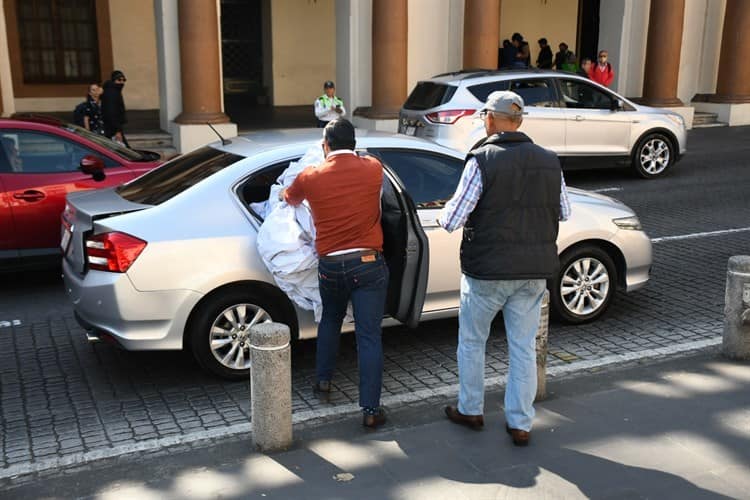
(224, 142)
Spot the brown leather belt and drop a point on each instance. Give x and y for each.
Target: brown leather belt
(348, 256)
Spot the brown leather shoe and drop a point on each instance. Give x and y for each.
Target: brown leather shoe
(475, 422)
(374, 421)
(520, 438)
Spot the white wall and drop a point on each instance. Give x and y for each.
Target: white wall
(133, 31)
(168, 58)
(435, 38)
(354, 53)
(304, 49)
(6, 82)
(623, 30)
(712, 32)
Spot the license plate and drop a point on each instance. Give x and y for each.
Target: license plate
(410, 130)
(67, 234)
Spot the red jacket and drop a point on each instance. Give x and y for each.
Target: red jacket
(602, 77)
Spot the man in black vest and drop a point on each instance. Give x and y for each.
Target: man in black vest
(509, 200)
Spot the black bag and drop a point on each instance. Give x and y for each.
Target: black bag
(79, 113)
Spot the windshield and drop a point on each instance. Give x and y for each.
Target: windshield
(102, 141)
(174, 177)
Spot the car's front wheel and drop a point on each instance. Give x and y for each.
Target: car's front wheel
(219, 330)
(584, 286)
(653, 155)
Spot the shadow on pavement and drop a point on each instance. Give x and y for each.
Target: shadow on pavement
(677, 429)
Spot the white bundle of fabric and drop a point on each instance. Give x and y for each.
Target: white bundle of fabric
(286, 239)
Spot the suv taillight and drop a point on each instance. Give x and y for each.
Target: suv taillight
(449, 117)
(113, 252)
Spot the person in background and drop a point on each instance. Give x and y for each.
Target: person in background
(113, 107)
(507, 55)
(509, 200)
(562, 56)
(602, 72)
(328, 106)
(344, 197)
(11, 153)
(544, 59)
(92, 111)
(585, 68)
(523, 52)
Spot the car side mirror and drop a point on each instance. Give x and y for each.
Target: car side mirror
(617, 105)
(93, 166)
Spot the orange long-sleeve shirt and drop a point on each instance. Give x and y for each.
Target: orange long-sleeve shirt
(344, 196)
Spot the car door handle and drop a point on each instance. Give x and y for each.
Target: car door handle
(579, 118)
(29, 195)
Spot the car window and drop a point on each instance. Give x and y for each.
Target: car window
(535, 92)
(429, 178)
(28, 152)
(427, 95)
(258, 187)
(174, 177)
(106, 143)
(581, 95)
(482, 90)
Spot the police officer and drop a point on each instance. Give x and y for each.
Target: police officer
(328, 107)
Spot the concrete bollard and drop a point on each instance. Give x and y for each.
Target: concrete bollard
(541, 349)
(736, 339)
(271, 386)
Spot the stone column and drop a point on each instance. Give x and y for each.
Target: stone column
(200, 64)
(481, 33)
(663, 48)
(733, 85)
(389, 58)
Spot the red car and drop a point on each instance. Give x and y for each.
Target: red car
(41, 161)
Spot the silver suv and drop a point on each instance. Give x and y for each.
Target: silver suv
(567, 113)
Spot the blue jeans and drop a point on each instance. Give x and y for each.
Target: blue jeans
(521, 303)
(366, 284)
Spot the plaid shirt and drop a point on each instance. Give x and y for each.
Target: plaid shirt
(467, 194)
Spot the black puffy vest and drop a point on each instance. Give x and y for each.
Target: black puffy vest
(512, 232)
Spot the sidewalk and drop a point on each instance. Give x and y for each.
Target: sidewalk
(678, 428)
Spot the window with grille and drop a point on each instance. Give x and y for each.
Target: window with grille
(58, 41)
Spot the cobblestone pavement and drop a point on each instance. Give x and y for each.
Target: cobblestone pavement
(60, 396)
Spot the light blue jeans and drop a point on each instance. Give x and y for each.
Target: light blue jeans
(521, 303)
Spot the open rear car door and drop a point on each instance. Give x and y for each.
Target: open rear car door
(406, 251)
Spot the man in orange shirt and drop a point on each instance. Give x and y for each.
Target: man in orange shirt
(344, 196)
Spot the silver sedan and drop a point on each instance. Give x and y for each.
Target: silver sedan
(169, 260)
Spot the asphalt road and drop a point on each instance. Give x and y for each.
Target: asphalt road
(60, 397)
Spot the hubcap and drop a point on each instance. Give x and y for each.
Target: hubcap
(230, 334)
(584, 286)
(654, 156)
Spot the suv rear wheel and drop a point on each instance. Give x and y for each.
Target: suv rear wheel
(653, 155)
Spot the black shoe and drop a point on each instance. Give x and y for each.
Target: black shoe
(322, 389)
(374, 421)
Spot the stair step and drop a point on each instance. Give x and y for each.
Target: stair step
(702, 118)
(709, 125)
(150, 140)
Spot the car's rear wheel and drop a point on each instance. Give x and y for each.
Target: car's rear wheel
(219, 331)
(585, 285)
(653, 155)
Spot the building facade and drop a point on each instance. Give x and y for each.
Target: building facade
(215, 61)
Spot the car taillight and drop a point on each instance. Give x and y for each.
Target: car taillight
(449, 117)
(114, 252)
